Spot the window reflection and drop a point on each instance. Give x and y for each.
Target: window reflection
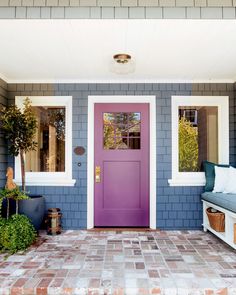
(49, 155)
(121, 130)
(198, 137)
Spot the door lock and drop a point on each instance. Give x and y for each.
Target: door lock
(98, 174)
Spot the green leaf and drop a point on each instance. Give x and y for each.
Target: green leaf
(17, 233)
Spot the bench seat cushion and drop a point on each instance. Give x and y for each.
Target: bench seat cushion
(226, 201)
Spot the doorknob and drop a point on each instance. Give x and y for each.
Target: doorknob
(98, 174)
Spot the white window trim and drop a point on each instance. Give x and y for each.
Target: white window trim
(50, 178)
(222, 102)
(151, 100)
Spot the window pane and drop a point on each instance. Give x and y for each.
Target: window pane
(122, 118)
(134, 143)
(119, 130)
(198, 137)
(49, 155)
(109, 143)
(134, 125)
(109, 118)
(121, 143)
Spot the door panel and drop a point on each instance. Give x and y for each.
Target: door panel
(118, 182)
(122, 165)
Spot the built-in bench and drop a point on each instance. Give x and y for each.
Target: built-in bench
(225, 203)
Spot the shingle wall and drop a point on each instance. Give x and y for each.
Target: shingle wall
(3, 146)
(118, 9)
(177, 207)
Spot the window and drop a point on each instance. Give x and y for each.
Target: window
(51, 162)
(121, 131)
(200, 131)
(197, 137)
(49, 155)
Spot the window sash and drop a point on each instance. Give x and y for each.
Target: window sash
(222, 102)
(50, 178)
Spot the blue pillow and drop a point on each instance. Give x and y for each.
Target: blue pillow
(209, 169)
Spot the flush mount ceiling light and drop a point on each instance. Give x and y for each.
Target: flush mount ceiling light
(122, 64)
(122, 58)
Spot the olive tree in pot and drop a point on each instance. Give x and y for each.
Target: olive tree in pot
(19, 127)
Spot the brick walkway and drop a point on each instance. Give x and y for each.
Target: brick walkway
(109, 262)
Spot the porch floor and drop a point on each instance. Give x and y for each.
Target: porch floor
(122, 262)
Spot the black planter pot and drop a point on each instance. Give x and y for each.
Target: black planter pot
(12, 208)
(34, 209)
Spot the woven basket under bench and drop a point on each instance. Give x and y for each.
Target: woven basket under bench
(216, 220)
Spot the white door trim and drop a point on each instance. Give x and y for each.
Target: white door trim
(90, 160)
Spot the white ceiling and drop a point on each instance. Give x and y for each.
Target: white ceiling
(81, 50)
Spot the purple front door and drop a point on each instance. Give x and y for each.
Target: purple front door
(121, 164)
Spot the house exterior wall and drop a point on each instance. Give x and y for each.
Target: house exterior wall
(235, 98)
(3, 147)
(117, 9)
(177, 207)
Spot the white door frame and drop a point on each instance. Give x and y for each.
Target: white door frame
(151, 100)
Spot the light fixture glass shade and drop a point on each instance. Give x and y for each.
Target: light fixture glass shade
(122, 64)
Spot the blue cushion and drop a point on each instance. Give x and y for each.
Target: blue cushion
(209, 169)
(227, 201)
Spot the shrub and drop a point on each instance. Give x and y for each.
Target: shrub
(2, 223)
(16, 233)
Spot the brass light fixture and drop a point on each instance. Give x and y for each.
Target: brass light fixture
(122, 58)
(122, 64)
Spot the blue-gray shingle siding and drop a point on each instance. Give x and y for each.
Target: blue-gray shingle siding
(177, 207)
(3, 145)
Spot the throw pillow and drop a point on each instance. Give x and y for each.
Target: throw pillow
(230, 187)
(209, 169)
(222, 175)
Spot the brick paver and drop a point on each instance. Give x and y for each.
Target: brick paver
(122, 262)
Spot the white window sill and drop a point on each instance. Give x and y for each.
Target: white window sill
(47, 182)
(186, 182)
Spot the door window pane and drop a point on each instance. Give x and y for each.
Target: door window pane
(109, 143)
(118, 130)
(198, 137)
(134, 143)
(49, 155)
(122, 143)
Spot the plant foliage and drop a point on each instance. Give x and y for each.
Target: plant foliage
(188, 146)
(19, 127)
(16, 233)
(1, 200)
(15, 194)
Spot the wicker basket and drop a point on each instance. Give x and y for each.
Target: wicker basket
(216, 220)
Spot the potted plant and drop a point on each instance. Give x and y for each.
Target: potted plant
(19, 127)
(12, 194)
(16, 231)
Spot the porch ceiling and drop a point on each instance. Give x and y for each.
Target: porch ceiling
(81, 50)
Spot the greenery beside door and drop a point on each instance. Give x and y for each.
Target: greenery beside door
(19, 127)
(16, 231)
